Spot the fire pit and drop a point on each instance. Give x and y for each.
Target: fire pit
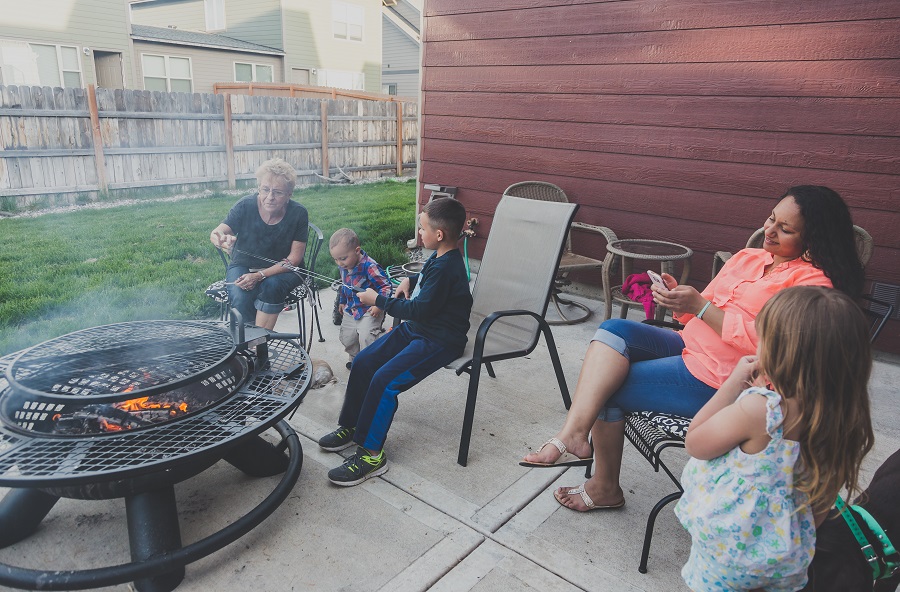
(129, 410)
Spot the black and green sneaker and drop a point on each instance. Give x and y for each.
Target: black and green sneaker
(337, 440)
(358, 468)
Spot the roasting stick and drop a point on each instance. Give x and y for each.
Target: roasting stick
(298, 270)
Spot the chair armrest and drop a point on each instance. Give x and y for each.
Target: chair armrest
(484, 327)
(603, 230)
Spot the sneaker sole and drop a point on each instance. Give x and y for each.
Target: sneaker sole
(338, 448)
(375, 473)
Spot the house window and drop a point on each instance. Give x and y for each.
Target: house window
(167, 73)
(347, 20)
(390, 89)
(342, 79)
(39, 64)
(244, 72)
(215, 14)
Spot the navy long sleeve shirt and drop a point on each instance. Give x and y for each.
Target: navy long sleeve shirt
(440, 311)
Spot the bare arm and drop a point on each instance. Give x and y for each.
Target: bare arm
(722, 423)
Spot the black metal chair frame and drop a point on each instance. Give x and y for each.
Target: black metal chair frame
(487, 310)
(651, 440)
(473, 369)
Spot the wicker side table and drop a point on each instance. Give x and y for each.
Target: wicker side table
(633, 249)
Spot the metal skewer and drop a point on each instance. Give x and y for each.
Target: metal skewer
(299, 270)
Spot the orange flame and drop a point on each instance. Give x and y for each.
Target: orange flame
(142, 403)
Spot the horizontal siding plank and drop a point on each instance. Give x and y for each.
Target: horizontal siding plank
(850, 78)
(874, 191)
(785, 114)
(848, 153)
(775, 43)
(642, 15)
(438, 7)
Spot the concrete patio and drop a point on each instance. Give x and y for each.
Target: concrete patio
(427, 523)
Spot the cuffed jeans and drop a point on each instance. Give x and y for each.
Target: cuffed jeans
(268, 296)
(657, 380)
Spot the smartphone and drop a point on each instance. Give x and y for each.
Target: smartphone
(656, 279)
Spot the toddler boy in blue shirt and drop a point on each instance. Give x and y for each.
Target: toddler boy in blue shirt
(360, 324)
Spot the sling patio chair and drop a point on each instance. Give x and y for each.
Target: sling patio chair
(570, 261)
(297, 297)
(511, 294)
(651, 432)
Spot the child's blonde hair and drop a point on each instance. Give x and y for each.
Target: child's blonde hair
(343, 236)
(815, 349)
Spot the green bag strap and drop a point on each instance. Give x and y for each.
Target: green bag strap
(892, 557)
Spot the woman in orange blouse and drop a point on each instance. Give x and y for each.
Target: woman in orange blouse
(630, 366)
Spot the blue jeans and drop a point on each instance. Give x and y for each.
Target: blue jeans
(657, 380)
(396, 362)
(268, 296)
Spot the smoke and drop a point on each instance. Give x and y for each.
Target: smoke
(93, 308)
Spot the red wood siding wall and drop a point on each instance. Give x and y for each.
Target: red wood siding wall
(671, 119)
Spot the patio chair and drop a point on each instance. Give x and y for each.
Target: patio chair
(651, 433)
(296, 298)
(511, 294)
(570, 261)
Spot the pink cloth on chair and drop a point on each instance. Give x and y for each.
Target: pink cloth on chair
(637, 287)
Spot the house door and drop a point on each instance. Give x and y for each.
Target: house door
(300, 76)
(108, 66)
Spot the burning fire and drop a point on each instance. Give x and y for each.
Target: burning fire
(144, 403)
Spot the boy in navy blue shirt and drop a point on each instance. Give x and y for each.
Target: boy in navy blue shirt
(436, 305)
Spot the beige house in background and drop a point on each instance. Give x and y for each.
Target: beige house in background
(68, 43)
(318, 42)
(188, 45)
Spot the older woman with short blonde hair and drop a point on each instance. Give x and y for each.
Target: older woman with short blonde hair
(260, 228)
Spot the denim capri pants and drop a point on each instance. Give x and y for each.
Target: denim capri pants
(657, 380)
(268, 296)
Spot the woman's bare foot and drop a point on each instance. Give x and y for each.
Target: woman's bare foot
(574, 499)
(549, 453)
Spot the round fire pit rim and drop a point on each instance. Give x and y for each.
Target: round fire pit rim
(120, 396)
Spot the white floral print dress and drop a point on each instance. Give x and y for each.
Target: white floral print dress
(750, 528)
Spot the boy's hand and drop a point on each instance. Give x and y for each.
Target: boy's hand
(402, 290)
(368, 297)
(341, 307)
(374, 311)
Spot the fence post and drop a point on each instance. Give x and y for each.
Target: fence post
(229, 143)
(99, 159)
(326, 167)
(399, 138)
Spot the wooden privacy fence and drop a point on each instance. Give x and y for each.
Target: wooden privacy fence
(67, 145)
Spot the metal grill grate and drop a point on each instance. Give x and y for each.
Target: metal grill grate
(141, 358)
(38, 461)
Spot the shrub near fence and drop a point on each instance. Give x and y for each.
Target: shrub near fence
(72, 145)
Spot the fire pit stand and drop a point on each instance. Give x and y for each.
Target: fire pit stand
(246, 383)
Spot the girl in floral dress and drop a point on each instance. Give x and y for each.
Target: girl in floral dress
(769, 460)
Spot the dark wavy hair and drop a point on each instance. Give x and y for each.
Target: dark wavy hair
(829, 241)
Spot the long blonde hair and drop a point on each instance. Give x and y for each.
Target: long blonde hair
(815, 349)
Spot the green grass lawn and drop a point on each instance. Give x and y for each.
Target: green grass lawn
(66, 271)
